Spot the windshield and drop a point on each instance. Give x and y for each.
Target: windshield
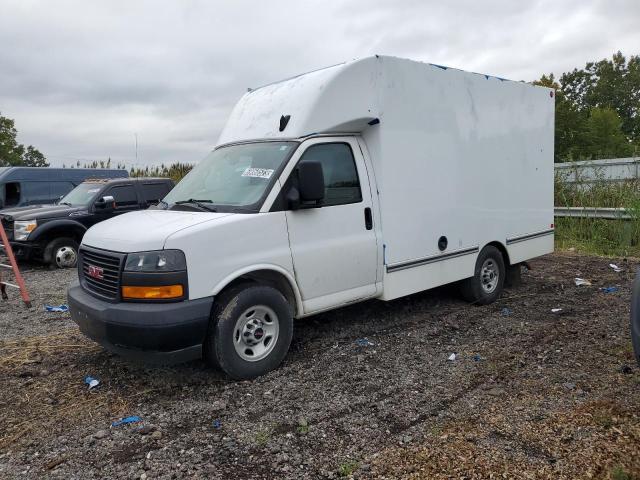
(81, 195)
(233, 176)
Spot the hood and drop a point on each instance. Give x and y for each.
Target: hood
(38, 212)
(144, 229)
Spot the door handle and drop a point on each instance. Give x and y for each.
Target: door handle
(368, 218)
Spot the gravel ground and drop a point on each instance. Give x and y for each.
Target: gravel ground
(530, 394)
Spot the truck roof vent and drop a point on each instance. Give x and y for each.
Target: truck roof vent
(284, 120)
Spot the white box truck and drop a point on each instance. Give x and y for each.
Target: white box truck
(375, 178)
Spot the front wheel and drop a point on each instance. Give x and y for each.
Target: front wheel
(486, 284)
(61, 253)
(250, 331)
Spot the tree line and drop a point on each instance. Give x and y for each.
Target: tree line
(597, 109)
(13, 153)
(597, 116)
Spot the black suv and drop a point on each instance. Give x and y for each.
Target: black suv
(53, 232)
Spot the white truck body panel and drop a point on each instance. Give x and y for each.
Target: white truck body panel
(439, 153)
(456, 154)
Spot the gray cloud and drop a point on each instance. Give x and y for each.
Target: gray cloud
(81, 78)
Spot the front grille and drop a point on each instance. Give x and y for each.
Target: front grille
(109, 285)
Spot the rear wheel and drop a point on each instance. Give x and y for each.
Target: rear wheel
(61, 253)
(486, 284)
(250, 331)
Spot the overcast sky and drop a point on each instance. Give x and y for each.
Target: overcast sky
(81, 78)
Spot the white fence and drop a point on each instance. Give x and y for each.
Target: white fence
(612, 170)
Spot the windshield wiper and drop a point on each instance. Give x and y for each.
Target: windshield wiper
(197, 203)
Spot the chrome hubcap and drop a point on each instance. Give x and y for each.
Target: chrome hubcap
(489, 275)
(256, 333)
(66, 257)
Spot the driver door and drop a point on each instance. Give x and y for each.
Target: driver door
(334, 245)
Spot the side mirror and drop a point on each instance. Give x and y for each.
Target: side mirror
(310, 189)
(105, 204)
(310, 182)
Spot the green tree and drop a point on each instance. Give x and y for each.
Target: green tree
(33, 158)
(604, 135)
(611, 84)
(13, 153)
(597, 109)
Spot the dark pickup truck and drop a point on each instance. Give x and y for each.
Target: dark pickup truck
(53, 232)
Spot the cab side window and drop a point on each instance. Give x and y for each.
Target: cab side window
(341, 183)
(124, 196)
(12, 194)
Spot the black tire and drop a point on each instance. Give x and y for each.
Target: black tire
(226, 344)
(476, 289)
(61, 253)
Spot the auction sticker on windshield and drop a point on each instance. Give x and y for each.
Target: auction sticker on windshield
(258, 172)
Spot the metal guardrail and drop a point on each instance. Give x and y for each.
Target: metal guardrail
(593, 212)
(609, 170)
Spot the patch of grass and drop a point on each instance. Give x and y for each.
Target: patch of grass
(262, 436)
(619, 473)
(604, 420)
(347, 468)
(595, 235)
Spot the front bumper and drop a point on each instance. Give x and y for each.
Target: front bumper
(157, 333)
(23, 250)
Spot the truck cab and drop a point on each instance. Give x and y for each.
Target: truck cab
(52, 233)
(26, 186)
(344, 184)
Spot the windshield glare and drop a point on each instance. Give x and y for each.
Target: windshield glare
(81, 195)
(234, 176)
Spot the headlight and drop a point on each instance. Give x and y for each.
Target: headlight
(22, 229)
(156, 261)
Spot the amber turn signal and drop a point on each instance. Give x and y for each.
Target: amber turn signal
(153, 293)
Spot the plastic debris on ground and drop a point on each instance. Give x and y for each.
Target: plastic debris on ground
(92, 382)
(364, 342)
(56, 308)
(556, 310)
(582, 281)
(217, 424)
(505, 312)
(452, 357)
(477, 357)
(609, 289)
(615, 267)
(126, 420)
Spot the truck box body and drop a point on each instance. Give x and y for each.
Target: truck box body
(455, 154)
(376, 178)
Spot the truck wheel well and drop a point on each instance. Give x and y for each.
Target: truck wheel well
(72, 232)
(503, 251)
(271, 278)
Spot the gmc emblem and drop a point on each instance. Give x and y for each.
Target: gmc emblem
(95, 272)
